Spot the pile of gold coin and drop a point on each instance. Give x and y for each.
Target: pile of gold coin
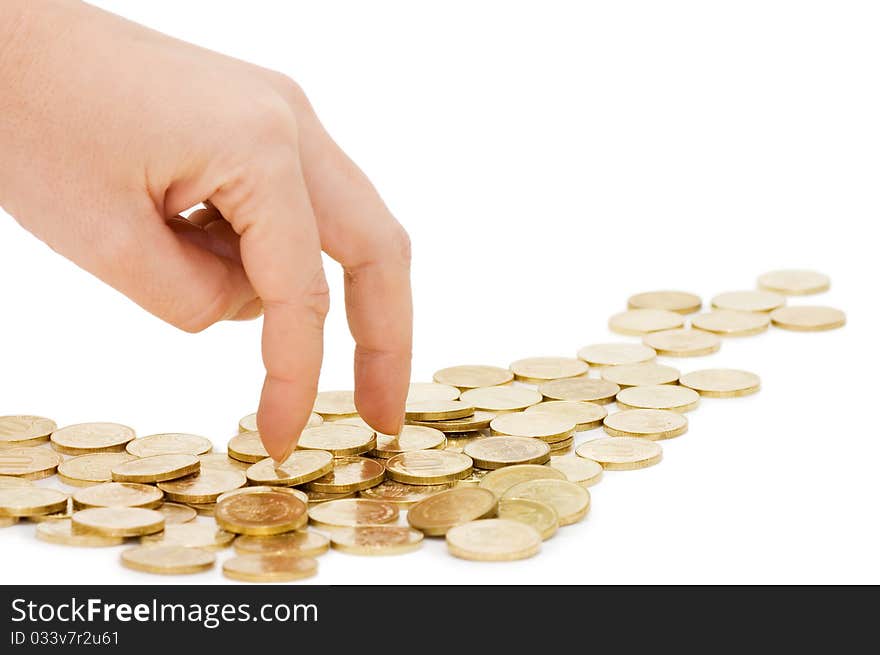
(487, 460)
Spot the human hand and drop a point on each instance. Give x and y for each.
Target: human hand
(109, 130)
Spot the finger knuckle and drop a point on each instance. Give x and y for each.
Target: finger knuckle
(316, 298)
(401, 244)
(292, 92)
(199, 318)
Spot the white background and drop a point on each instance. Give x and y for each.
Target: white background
(547, 163)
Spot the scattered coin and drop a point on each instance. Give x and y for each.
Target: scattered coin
(437, 410)
(65, 513)
(25, 430)
(721, 382)
(31, 501)
(261, 513)
(335, 404)
(84, 438)
(571, 501)
(167, 559)
(117, 494)
(501, 398)
(247, 447)
(191, 535)
(61, 532)
(87, 470)
(203, 509)
(172, 443)
(489, 540)
(542, 517)
(729, 323)
(301, 543)
(28, 462)
(808, 318)
(176, 514)
(9, 482)
(479, 421)
(222, 461)
(642, 321)
(659, 396)
(680, 302)
(653, 424)
(621, 453)
(421, 391)
(496, 452)
(585, 415)
(376, 540)
(428, 467)
(616, 354)
(249, 422)
(353, 511)
(402, 495)
(500, 480)
(456, 441)
(434, 516)
(538, 426)
(156, 468)
(600, 392)
(584, 472)
(473, 479)
(270, 568)
(318, 497)
(683, 343)
(117, 521)
(411, 437)
(204, 487)
(350, 474)
(338, 439)
(561, 447)
(536, 370)
(640, 375)
(748, 301)
(472, 377)
(795, 282)
(300, 467)
(296, 493)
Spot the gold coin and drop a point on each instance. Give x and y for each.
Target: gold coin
(600, 392)
(335, 404)
(411, 437)
(25, 430)
(721, 382)
(338, 439)
(500, 480)
(171, 443)
(473, 376)
(87, 470)
(204, 487)
(496, 452)
(795, 282)
(222, 461)
(542, 517)
(66, 513)
(156, 468)
(536, 370)
(748, 301)
(247, 447)
(478, 421)
(642, 321)
(203, 509)
(300, 467)
(376, 540)
(571, 501)
(653, 424)
(9, 482)
(31, 501)
(191, 535)
(584, 472)
(473, 479)
(437, 410)
(434, 516)
(117, 521)
(167, 559)
(61, 532)
(421, 391)
(261, 513)
(456, 441)
(680, 302)
(621, 453)
(6, 521)
(808, 318)
(615, 354)
(117, 494)
(641, 375)
(249, 423)
(584, 415)
(350, 474)
(318, 497)
(300, 543)
(493, 540)
(428, 467)
(561, 447)
(270, 568)
(402, 495)
(659, 396)
(29, 463)
(296, 493)
(176, 514)
(683, 343)
(728, 323)
(353, 511)
(538, 426)
(84, 438)
(501, 399)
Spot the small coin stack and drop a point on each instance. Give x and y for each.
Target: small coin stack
(487, 458)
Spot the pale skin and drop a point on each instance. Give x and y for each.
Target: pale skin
(109, 131)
